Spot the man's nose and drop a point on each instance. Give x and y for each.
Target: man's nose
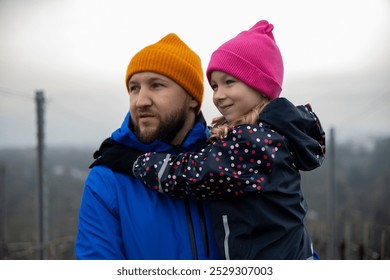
(144, 98)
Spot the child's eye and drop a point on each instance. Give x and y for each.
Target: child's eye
(214, 87)
(228, 82)
(134, 89)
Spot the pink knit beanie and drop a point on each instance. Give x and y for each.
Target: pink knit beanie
(252, 57)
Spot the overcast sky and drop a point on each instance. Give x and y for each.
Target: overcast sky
(336, 56)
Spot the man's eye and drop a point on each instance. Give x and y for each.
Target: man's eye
(157, 85)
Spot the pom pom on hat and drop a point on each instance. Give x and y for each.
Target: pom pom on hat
(171, 57)
(252, 57)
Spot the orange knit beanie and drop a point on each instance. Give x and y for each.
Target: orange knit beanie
(171, 57)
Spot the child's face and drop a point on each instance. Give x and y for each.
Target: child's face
(232, 97)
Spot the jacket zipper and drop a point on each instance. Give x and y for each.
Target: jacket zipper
(202, 220)
(191, 230)
(204, 228)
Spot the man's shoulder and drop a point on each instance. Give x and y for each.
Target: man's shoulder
(105, 175)
(107, 185)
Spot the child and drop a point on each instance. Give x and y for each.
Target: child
(250, 170)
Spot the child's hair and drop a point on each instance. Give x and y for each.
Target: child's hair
(220, 127)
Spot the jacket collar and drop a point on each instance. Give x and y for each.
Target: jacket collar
(194, 140)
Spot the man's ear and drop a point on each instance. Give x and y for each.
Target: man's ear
(194, 103)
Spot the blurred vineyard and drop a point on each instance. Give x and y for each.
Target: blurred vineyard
(361, 224)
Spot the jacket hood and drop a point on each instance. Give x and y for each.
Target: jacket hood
(194, 140)
(302, 129)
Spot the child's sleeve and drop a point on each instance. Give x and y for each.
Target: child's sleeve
(237, 164)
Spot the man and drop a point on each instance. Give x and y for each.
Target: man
(119, 217)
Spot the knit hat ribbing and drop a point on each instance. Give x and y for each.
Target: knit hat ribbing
(252, 57)
(171, 57)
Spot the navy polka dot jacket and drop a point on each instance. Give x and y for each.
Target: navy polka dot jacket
(252, 178)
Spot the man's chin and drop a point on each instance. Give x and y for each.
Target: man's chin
(164, 130)
(146, 135)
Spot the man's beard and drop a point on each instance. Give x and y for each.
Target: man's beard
(167, 129)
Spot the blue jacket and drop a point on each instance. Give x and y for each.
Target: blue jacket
(122, 219)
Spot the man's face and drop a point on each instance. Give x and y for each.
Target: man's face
(158, 106)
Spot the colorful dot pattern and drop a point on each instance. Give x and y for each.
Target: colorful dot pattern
(239, 163)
